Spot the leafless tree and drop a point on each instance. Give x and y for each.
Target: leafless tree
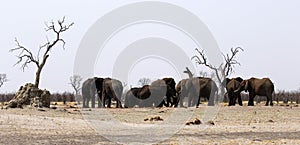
(25, 55)
(3, 79)
(222, 71)
(75, 82)
(144, 81)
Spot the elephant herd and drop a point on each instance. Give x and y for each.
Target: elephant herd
(165, 92)
(255, 86)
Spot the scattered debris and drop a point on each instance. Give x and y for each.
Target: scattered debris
(195, 122)
(72, 106)
(40, 109)
(210, 123)
(161, 112)
(53, 107)
(156, 118)
(256, 139)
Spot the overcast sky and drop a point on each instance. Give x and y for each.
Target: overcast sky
(268, 31)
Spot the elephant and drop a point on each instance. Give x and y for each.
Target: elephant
(170, 96)
(231, 85)
(89, 91)
(260, 87)
(194, 88)
(132, 98)
(109, 89)
(153, 94)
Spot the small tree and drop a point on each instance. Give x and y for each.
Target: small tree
(225, 68)
(26, 56)
(144, 81)
(3, 79)
(75, 82)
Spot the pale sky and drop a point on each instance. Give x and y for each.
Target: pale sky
(268, 31)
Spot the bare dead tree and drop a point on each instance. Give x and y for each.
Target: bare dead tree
(26, 56)
(3, 79)
(225, 69)
(75, 82)
(144, 81)
(188, 71)
(222, 71)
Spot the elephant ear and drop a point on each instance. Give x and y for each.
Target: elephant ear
(239, 79)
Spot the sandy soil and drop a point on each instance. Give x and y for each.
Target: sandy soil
(231, 125)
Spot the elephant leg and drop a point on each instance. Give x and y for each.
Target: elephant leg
(181, 101)
(211, 101)
(269, 100)
(251, 99)
(99, 101)
(103, 98)
(109, 102)
(240, 100)
(119, 104)
(88, 102)
(234, 100)
(190, 99)
(167, 104)
(198, 102)
(83, 101)
(230, 97)
(230, 101)
(93, 101)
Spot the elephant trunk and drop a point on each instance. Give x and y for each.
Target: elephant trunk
(238, 90)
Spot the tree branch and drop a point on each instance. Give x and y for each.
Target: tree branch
(188, 71)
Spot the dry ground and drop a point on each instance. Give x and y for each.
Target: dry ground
(232, 125)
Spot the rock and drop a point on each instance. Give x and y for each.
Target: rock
(197, 121)
(29, 95)
(156, 118)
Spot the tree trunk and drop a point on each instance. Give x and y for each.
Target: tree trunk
(39, 70)
(37, 77)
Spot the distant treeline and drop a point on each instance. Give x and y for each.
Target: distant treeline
(55, 97)
(280, 96)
